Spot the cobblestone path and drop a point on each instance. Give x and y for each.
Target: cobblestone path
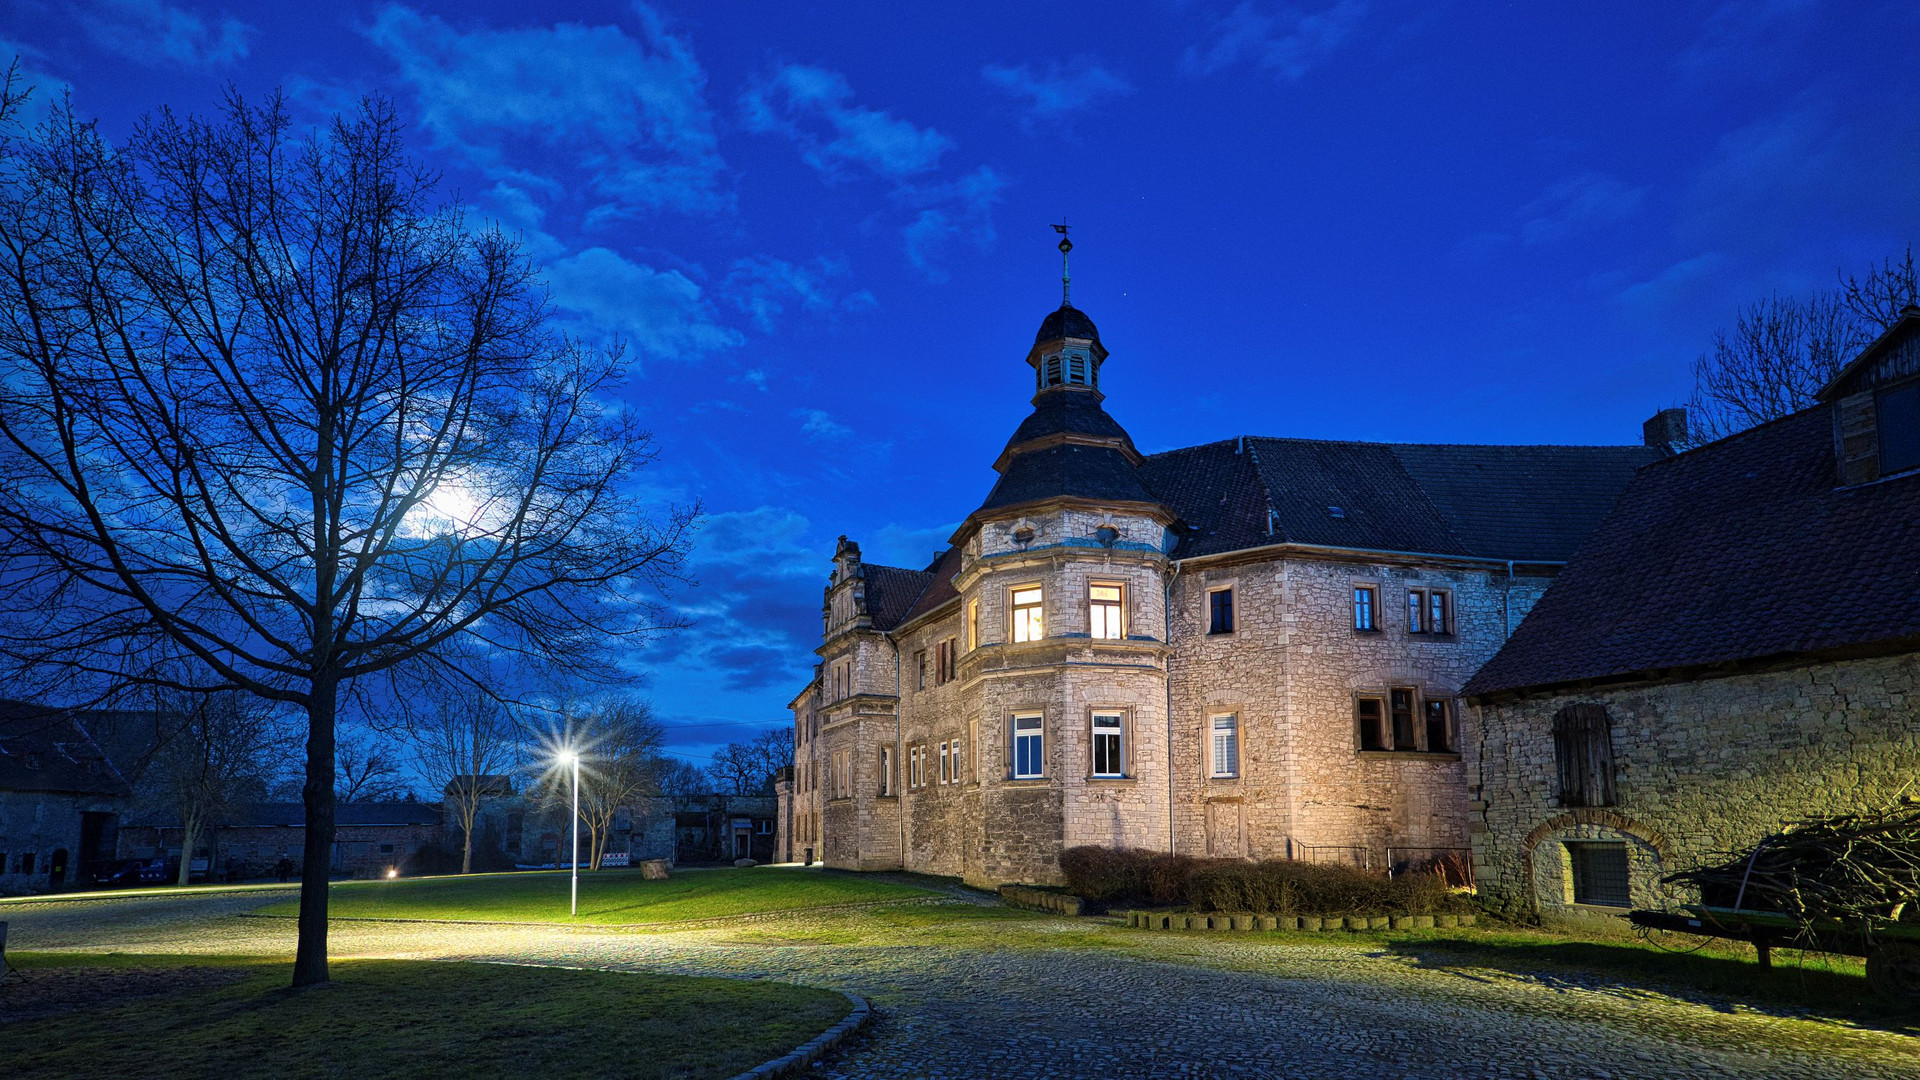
(1176, 1006)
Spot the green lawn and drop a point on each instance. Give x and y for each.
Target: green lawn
(606, 896)
(138, 1017)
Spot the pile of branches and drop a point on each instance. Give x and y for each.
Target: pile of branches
(1853, 868)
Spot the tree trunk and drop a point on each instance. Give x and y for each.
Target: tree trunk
(468, 811)
(188, 826)
(316, 865)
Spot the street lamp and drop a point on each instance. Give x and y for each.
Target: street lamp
(573, 758)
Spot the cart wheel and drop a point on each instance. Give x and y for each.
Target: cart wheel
(1893, 970)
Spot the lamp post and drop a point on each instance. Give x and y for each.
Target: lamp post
(573, 825)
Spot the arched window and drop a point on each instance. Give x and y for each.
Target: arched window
(1053, 370)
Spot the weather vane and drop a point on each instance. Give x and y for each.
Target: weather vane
(1066, 245)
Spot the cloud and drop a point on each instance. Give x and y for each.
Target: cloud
(1288, 43)
(1059, 91)
(1745, 39)
(627, 110)
(1675, 282)
(763, 287)
(960, 210)
(156, 33)
(756, 609)
(43, 90)
(660, 312)
(820, 424)
(1576, 204)
(814, 107)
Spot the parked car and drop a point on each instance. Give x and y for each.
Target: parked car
(132, 872)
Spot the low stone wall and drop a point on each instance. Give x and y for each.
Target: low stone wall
(1161, 920)
(1023, 896)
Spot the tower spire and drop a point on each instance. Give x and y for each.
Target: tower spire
(1066, 279)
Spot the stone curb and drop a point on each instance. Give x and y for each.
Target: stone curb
(1216, 921)
(814, 1049)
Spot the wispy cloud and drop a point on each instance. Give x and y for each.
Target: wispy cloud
(42, 89)
(1058, 91)
(1740, 38)
(814, 107)
(157, 34)
(820, 424)
(960, 210)
(1285, 42)
(763, 288)
(661, 313)
(628, 111)
(1576, 204)
(756, 607)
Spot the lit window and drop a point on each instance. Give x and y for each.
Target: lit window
(1220, 611)
(1026, 614)
(1370, 712)
(1226, 746)
(1402, 700)
(1029, 745)
(1105, 607)
(1107, 759)
(1439, 731)
(973, 625)
(1365, 607)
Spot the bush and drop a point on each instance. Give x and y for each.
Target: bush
(1276, 887)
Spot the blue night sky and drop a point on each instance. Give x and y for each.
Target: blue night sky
(822, 228)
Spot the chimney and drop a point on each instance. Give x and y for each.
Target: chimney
(1666, 430)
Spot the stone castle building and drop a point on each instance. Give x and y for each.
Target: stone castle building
(1252, 647)
(1736, 648)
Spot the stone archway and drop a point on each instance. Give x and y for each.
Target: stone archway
(1589, 824)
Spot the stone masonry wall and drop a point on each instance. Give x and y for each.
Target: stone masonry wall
(1702, 767)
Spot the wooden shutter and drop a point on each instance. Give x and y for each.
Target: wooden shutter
(1583, 755)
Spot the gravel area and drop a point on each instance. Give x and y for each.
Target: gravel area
(1176, 1006)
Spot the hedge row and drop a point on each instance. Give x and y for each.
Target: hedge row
(1278, 887)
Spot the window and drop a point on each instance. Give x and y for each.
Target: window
(1029, 745)
(1429, 611)
(973, 625)
(1107, 759)
(1104, 607)
(1053, 370)
(1401, 699)
(1220, 611)
(844, 773)
(946, 763)
(914, 778)
(1027, 624)
(920, 668)
(945, 654)
(1076, 369)
(954, 774)
(1897, 415)
(1371, 713)
(973, 740)
(1366, 605)
(1583, 755)
(1226, 745)
(1599, 873)
(886, 770)
(1439, 731)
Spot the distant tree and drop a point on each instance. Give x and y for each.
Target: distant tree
(679, 777)
(775, 748)
(463, 745)
(620, 766)
(220, 758)
(1782, 350)
(269, 409)
(369, 771)
(747, 768)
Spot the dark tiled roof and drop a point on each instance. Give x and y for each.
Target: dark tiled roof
(1068, 321)
(1064, 411)
(293, 814)
(1086, 472)
(1740, 550)
(46, 749)
(939, 586)
(891, 591)
(1527, 503)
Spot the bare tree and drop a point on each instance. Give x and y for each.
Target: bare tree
(369, 770)
(679, 777)
(736, 769)
(775, 750)
(221, 757)
(620, 766)
(1782, 350)
(268, 409)
(464, 747)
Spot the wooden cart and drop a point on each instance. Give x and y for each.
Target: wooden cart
(1891, 949)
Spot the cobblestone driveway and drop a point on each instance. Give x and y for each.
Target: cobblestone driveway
(1185, 1006)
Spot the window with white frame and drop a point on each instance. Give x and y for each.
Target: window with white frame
(945, 763)
(1027, 619)
(1226, 745)
(1105, 608)
(1109, 758)
(1029, 746)
(886, 770)
(913, 767)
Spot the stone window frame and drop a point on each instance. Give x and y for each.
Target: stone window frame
(1206, 609)
(1375, 587)
(1015, 715)
(886, 772)
(973, 755)
(920, 669)
(946, 660)
(1423, 692)
(1126, 595)
(1209, 765)
(1127, 770)
(1013, 613)
(1449, 609)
